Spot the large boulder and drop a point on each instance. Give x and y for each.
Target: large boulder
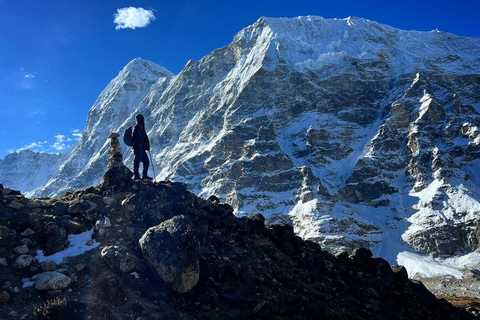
(117, 175)
(172, 251)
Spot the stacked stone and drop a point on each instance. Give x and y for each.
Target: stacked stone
(115, 151)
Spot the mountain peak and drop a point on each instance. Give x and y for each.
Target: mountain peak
(139, 66)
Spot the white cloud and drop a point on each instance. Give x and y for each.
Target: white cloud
(60, 144)
(29, 76)
(34, 146)
(133, 18)
(76, 134)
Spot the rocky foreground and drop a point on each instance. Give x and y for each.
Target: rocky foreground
(160, 252)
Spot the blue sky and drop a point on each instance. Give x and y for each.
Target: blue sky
(56, 56)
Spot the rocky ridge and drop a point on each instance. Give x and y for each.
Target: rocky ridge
(157, 251)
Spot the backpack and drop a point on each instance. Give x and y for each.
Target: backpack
(127, 137)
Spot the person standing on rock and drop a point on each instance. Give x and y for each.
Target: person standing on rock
(141, 145)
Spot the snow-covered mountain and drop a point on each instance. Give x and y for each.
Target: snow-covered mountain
(27, 170)
(113, 111)
(358, 133)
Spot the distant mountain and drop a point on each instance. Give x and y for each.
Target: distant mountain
(358, 133)
(27, 170)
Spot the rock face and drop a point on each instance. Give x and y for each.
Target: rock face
(172, 250)
(166, 253)
(27, 170)
(357, 133)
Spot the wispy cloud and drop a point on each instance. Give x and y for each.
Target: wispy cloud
(36, 113)
(60, 143)
(29, 76)
(76, 134)
(34, 146)
(133, 18)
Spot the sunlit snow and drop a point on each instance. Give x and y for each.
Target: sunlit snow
(78, 245)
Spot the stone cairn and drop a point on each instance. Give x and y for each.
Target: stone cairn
(115, 151)
(117, 174)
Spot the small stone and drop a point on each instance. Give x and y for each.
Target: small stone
(33, 204)
(21, 249)
(98, 225)
(23, 261)
(109, 201)
(128, 263)
(107, 223)
(25, 241)
(25, 295)
(6, 285)
(27, 232)
(48, 266)
(4, 297)
(89, 242)
(15, 205)
(3, 231)
(44, 203)
(79, 267)
(3, 262)
(52, 280)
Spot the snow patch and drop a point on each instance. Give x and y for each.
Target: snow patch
(427, 266)
(78, 245)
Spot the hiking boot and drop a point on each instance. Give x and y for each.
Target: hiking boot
(147, 178)
(136, 178)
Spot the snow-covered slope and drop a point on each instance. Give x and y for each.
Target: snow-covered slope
(27, 170)
(113, 111)
(358, 133)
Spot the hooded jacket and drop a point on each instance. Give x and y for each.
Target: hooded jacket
(139, 136)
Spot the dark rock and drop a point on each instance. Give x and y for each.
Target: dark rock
(118, 176)
(172, 251)
(4, 297)
(118, 258)
(23, 261)
(83, 206)
(257, 220)
(381, 269)
(400, 273)
(361, 257)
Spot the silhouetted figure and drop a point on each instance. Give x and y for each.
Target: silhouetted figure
(141, 145)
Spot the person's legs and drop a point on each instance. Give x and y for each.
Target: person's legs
(136, 162)
(146, 164)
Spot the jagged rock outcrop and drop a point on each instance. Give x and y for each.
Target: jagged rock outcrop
(149, 238)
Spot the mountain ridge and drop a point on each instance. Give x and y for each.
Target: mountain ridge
(338, 135)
